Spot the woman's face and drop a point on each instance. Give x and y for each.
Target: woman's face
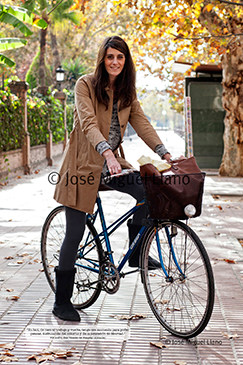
(114, 62)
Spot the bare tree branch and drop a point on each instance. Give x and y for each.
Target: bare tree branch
(207, 37)
(230, 2)
(90, 25)
(102, 29)
(55, 7)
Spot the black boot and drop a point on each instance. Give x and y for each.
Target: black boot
(63, 307)
(133, 261)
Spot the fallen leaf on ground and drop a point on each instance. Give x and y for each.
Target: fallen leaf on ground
(219, 206)
(230, 261)
(7, 346)
(51, 353)
(9, 258)
(14, 297)
(129, 317)
(229, 336)
(160, 345)
(9, 290)
(162, 301)
(23, 254)
(6, 352)
(173, 309)
(178, 362)
(40, 358)
(7, 358)
(226, 260)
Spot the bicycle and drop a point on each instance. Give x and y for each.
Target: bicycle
(180, 293)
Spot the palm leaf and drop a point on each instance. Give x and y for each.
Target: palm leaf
(20, 13)
(10, 43)
(15, 16)
(11, 19)
(6, 60)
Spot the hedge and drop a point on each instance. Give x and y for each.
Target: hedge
(40, 111)
(11, 122)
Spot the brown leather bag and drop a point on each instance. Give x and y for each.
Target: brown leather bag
(168, 193)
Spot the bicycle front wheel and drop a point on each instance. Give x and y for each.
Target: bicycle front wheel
(181, 292)
(87, 283)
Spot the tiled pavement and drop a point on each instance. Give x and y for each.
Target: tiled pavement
(25, 203)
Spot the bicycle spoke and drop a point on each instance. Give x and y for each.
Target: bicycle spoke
(87, 285)
(181, 302)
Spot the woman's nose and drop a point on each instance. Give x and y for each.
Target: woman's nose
(115, 61)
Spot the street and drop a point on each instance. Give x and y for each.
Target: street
(27, 301)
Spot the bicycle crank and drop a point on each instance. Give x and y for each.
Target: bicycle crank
(110, 277)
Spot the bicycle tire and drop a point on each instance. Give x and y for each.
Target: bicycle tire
(182, 304)
(87, 284)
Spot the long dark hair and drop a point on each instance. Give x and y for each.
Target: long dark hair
(125, 81)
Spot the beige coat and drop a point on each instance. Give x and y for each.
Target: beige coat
(81, 164)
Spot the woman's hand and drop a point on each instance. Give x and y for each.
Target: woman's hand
(167, 157)
(113, 165)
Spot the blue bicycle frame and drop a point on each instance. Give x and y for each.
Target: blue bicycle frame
(106, 231)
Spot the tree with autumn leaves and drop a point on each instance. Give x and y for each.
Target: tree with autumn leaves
(201, 31)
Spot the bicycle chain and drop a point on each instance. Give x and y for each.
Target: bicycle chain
(110, 277)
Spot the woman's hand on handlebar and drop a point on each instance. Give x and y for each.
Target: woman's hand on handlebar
(113, 165)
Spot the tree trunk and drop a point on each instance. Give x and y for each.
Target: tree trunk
(42, 74)
(55, 52)
(232, 99)
(232, 63)
(56, 55)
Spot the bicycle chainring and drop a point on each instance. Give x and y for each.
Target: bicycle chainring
(110, 277)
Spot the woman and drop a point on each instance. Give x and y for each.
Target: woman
(104, 103)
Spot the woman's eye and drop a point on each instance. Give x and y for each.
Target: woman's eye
(110, 57)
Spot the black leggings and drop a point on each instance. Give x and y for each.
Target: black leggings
(75, 219)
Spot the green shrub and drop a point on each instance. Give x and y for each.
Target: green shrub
(11, 121)
(41, 111)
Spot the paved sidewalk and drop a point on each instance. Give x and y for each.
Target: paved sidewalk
(24, 205)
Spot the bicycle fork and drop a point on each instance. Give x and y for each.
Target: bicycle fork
(172, 252)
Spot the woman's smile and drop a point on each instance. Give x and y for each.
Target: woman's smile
(114, 63)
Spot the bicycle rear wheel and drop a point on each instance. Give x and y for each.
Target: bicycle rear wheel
(182, 302)
(87, 283)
